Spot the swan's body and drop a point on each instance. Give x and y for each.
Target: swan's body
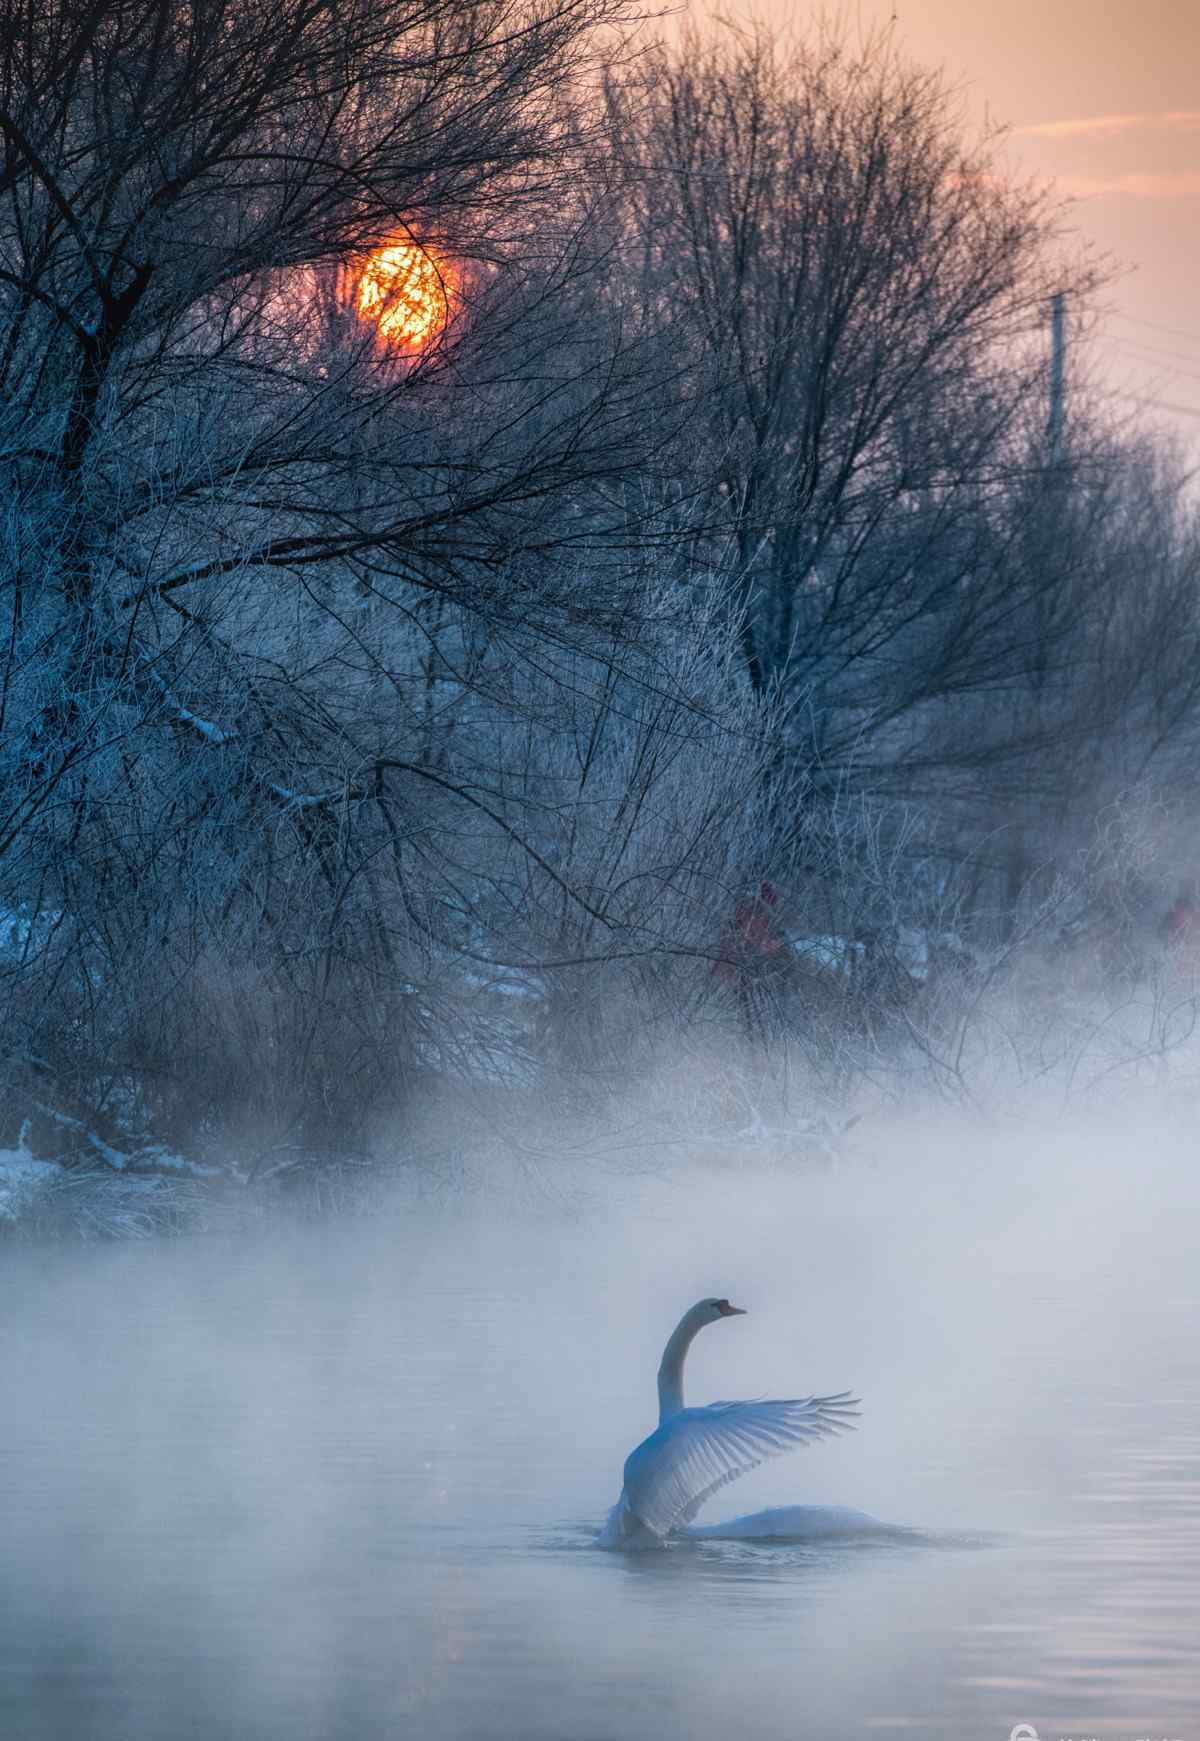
(695, 1451)
(793, 1523)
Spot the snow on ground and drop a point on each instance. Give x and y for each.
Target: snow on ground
(24, 932)
(22, 1177)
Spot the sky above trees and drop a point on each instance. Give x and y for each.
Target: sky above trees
(1101, 98)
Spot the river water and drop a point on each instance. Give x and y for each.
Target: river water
(342, 1483)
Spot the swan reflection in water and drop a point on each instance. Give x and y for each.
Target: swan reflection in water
(693, 1452)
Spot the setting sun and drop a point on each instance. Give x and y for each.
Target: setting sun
(405, 290)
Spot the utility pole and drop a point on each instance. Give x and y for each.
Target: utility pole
(1021, 863)
(1058, 357)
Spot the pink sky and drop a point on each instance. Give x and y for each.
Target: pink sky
(1103, 98)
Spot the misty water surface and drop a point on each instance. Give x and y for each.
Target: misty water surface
(342, 1482)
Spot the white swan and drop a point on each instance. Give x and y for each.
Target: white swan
(693, 1452)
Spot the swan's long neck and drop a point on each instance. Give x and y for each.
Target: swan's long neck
(670, 1371)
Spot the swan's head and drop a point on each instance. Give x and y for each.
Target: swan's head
(670, 1373)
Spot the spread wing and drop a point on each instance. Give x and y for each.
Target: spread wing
(672, 1473)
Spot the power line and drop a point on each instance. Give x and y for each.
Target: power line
(1158, 350)
(1175, 374)
(1158, 404)
(1178, 332)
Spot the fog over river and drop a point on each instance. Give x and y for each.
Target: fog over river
(343, 1483)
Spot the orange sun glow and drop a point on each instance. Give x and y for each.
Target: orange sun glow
(405, 290)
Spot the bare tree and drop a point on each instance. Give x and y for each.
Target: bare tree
(855, 297)
(238, 511)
